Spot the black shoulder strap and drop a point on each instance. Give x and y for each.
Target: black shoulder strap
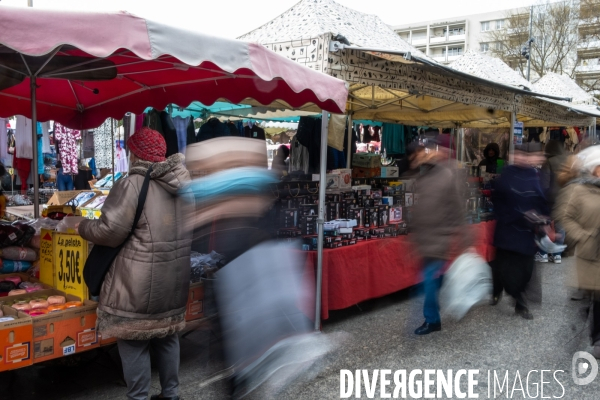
(141, 200)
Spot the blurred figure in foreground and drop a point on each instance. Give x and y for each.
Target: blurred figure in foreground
(281, 161)
(259, 292)
(555, 158)
(144, 294)
(581, 219)
(519, 205)
(436, 219)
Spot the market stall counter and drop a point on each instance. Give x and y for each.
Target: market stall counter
(377, 267)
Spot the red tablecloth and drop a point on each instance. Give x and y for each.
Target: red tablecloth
(376, 268)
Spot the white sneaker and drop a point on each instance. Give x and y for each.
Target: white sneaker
(556, 259)
(541, 258)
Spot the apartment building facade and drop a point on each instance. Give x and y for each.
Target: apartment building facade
(447, 39)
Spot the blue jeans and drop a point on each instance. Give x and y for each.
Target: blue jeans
(64, 182)
(559, 240)
(432, 281)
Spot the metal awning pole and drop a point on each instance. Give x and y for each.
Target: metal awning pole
(350, 139)
(511, 139)
(112, 135)
(321, 219)
(36, 178)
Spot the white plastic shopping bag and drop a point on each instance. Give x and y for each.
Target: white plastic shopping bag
(467, 283)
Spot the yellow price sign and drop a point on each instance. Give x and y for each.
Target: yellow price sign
(70, 254)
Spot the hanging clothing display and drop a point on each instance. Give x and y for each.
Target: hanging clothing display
(233, 129)
(336, 131)
(40, 153)
(46, 138)
(4, 156)
(23, 139)
(352, 144)
(121, 163)
(103, 145)
(169, 133)
(23, 167)
(298, 156)
(393, 140)
(67, 147)
(153, 121)
(213, 128)
(254, 131)
(309, 135)
(181, 127)
(375, 133)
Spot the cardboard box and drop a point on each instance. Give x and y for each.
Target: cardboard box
(63, 333)
(195, 304)
(360, 172)
(345, 177)
(16, 338)
(390, 172)
(61, 198)
(366, 160)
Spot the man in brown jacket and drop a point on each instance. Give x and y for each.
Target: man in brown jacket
(436, 219)
(144, 294)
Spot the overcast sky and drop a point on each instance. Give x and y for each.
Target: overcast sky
(232, 18)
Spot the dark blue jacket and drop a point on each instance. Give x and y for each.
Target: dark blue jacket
(517, 191)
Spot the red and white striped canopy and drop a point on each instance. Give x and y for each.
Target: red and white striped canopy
(91, 66)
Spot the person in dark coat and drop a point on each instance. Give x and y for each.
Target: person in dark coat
(518, 194)
(491, 155)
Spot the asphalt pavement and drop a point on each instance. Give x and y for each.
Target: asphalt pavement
(374, 335)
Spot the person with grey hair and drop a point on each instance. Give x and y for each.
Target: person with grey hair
(581, 220)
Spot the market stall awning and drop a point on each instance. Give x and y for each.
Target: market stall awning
(127, 63)
(563, 86)
(390, 80)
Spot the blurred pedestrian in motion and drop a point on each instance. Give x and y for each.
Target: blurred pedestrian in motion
(491, 156)
(580, 216)
(437, 217)
(519, 204)
(144, 293)
(259, 293)
(555, 158)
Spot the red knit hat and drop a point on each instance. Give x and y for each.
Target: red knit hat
(148, 145)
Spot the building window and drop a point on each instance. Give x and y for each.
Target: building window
(455, 31)
(485, 26)
(497, 46)
(485, 47)
(500, 24)
(453, 51)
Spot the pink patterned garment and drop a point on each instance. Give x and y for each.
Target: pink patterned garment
(67, 147)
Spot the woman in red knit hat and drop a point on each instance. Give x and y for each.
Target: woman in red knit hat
(144, 294)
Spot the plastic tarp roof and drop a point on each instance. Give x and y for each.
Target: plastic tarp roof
(390, 80)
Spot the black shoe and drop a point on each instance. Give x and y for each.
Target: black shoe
(157, 397)
(427, 328)
(496, 299)
(524, 313)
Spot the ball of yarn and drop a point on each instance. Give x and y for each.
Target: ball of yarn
(6, 286)
(21, 306)
(15, 279)
(37, 312)
(32, 289)
(35, 304)
(56, 300)
(16, 292)
(6, 319)
(56, 307)
(73, 304)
